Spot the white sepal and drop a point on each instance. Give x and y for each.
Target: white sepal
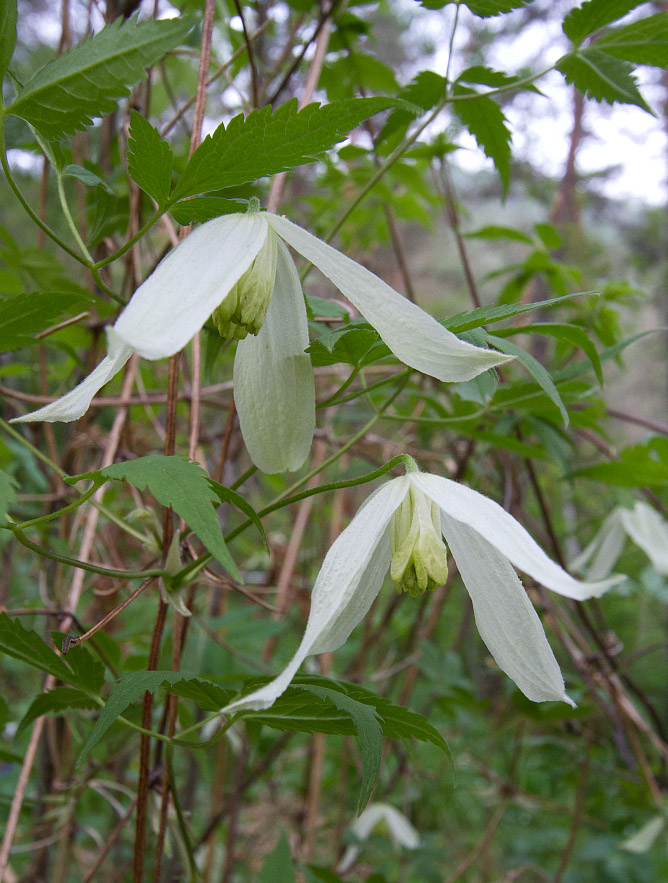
(414, 336)
(349, 580)
(504, 615)
(273, 379)
(75, 403)
(171, 306)
(648, 530)
(506, 534)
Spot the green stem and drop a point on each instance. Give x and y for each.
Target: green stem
(43, 519)
(367, 389)
(26, 206)
(344, 386)
(128, 245)
(70, 220)
(84, 565)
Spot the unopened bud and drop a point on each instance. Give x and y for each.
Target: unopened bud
(245, 306)
(419, 555)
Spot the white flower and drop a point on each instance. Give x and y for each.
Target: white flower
(485, 541)
(642, 524)
(383, 818)
(238, 268)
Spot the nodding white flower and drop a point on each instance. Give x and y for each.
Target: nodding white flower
(398, 529)
(383, 818)
(642, 524)
(237, 269)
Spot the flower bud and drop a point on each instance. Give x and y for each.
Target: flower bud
(244, 308)
(419, 555)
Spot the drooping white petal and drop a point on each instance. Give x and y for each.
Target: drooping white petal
(75, 403)
(171, 306)
(604, 549)
(273, 378)
(648, 530)
(379, 814)
(504, 615)
(500, 529)
(412, 335)
(349, 580)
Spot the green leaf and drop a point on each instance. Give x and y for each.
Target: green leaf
(534, 367)
(355, 344)
(638, 466)
(56, 701)
(87, 670)
(487, 76)
(207, 694)
(129, 688)
(565, 332)
(494, 231)
(487, 315)
(8, 488)
(643, 42)
(602, 77)
(424, 92)
(87, 81)
(549, 236)
(181, 484)
(25, 315)
(278, 865)
(486, 122)
(28, 647)
(368, 731)
(7, 34)
(481, 8)
(593, 15)
(150, 159)
(204, 208)
(89, 178)
(265, 143)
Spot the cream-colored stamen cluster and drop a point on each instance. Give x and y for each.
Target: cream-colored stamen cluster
(419, 555)
(244, 309)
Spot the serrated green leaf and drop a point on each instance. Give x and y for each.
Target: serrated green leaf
(487, 76)
(28, 647)
(278, 865)
(181, 484)
(643, 42)
(602, 77)
(150, 159)
(205, 208)
(356, 344)
(487, 315)
(25, 315)
(87, 81)
(56, 701)
(368, 731)
(265, 143)
(486, 122)
(481, 8)
(227, 495)
(565, 332)
(7, 34)
(534, 367)
(129, 688)
(87, 670)
(8, 488)
(593, 15)
(424, 91)
(207, 694)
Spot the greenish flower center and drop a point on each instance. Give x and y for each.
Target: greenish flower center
(244, 308)
(419, 555)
